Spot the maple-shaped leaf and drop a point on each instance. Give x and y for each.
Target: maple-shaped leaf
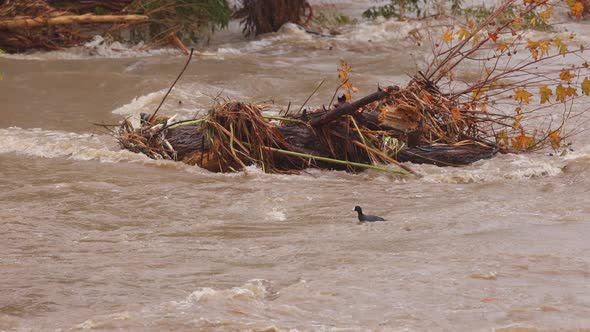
(577, 9)
(586, 86)
(522, 141)
(565, 75)
(462, 33)
(545, 94)
(448, 36)
(502, 47)
(345, 83)
(555, 138)
(493, 36)
(538, 48)
(562, 93)
(522, 96)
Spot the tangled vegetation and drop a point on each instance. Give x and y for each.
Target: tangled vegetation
(403, 9)
(522, 101)
(263, 16)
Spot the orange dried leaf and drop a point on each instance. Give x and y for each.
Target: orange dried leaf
(345, 66)
(522, 141)
(555, 138)
(493, 36)
(577, 10)
(565, 75)
(522, 96)
(456, 114)
(501, 47)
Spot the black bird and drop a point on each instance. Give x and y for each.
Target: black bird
(366, 217)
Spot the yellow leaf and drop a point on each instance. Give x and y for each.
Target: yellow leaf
(345, 83)
(477, 94)
(475, 39)
(586, 86)
(502, 47)
(448, 36)
(561, 45)
(462, 34)
(502, 138)
(562, 93)
(533, 21)
(344, 65)
(545, 93)
(546, 15)
(517, 23)
(571, 91)
(522, 96)
(538, 48)
(565, 75)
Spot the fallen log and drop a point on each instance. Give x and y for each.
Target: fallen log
(350, 108)
(28, 23)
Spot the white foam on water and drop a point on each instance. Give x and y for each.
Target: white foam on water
(501, 167)
(97, 48)
(186, 100)
(58, 144)
(277, 215)
(103, 322)
(252, 291)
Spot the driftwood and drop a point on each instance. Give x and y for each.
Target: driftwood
(350, 108)
(22, 23)
(347, 137)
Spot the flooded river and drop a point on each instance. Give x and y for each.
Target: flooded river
(94, 238)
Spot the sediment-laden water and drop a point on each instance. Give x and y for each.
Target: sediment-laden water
(94, 238)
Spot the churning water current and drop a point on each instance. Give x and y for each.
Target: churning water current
(94, 238)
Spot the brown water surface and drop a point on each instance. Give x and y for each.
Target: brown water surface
(96, 238)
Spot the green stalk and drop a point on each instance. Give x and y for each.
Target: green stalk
(336, 161)
(280, 118)
(187, 123)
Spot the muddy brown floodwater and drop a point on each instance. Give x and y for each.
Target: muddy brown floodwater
(94, 238)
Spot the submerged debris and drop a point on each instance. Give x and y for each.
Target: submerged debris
(435, 119)
(350, 136)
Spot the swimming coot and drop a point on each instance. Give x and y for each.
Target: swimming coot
(366, 217)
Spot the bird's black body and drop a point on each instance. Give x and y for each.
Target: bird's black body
(366, 217)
